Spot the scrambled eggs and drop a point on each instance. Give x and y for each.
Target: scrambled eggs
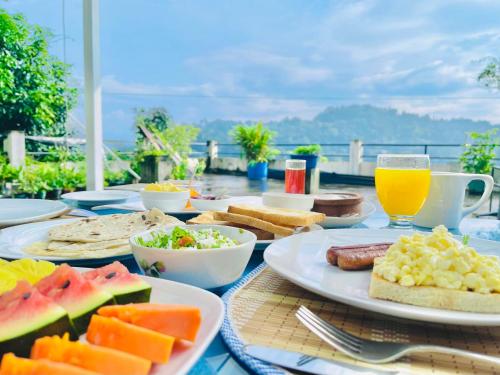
(163, 187)
(439, 260)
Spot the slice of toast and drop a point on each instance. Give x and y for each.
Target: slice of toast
(253, 222)
(431, 296)
(208, 218)
(278, 216)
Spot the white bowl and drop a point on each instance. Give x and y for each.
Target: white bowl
(164, 200)
(211, 205)
(292, 201)
(204, 268)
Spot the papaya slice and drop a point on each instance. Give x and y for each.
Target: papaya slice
(102, 360)
(12, 365)
(179, 321)
(143, 342)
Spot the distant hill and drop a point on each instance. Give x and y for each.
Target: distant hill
(368, 123)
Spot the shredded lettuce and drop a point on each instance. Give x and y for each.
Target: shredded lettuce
(183, 238)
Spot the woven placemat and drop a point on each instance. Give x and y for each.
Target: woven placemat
(262, 311)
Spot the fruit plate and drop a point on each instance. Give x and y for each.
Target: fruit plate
(21, 211)
(367, 209)
(301, 259)
(212, 312)
(14, 239)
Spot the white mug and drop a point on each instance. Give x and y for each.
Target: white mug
(445, 202)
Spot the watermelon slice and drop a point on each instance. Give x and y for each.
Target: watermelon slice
(123, 285)
(78, 296)
(25, 315)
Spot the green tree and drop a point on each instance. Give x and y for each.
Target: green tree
(490, 75)
(153, 119)
(34, 94)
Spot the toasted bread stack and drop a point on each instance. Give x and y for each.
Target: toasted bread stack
(266, 222)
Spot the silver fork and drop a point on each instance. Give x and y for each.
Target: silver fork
(375, 351)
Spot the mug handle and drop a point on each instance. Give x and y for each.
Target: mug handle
(488, 188)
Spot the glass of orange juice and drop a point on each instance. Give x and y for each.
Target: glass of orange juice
(402, 183)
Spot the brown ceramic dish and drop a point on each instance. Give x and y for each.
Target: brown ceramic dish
(338, 204)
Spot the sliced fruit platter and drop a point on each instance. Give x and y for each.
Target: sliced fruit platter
(63, 320)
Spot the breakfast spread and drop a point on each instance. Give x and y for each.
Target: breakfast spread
(98, 236)
(356, 257)
(265, 222)
(125, 333)
(339, 204)
(182, 239)
(437, 270)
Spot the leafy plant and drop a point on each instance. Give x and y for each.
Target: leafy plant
(8, 173)
(32, 180)
(119, 177)
(178, 139)
(308, 150)
(490, 75)
(34, 93)
(61, 153)
(255, 141)
(478, 156)
(180, 171)
(72, 176)
(153, 119)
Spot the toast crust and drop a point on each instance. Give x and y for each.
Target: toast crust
(253, 222)
(430, 296)
(279, 216)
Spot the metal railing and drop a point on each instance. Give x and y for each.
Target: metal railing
(340, 151)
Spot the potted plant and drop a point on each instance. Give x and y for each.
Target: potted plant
(32, 183)
(255, 141)
(309, 153)
(478, 157)
(8, 175)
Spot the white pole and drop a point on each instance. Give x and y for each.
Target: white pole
(93, 111)
(355, 156)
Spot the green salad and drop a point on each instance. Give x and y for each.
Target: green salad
(183, 238)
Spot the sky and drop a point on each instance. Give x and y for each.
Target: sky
(266, 60)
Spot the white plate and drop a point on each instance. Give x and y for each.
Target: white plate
(367, 209)
(212, 313)
(14, 239)
(263, 244)
(99, 197)
(20, 211)
(301, 259)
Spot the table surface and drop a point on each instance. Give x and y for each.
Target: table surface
(218, 359)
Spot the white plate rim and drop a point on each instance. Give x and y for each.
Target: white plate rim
(29, 219)
(199, 350)
(44, 226)
(395, 309)
(73, 196)
(314, 228)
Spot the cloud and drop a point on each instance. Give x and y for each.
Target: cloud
(110, 84)
(292, 69)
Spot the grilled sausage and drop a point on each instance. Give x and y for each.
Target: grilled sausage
(355, 256)
(359, 259)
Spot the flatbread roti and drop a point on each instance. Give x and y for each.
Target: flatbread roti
(77, 246)
(109, 227)
(98, 237)
(41, 249)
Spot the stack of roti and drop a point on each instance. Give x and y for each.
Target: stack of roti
(98, 236)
